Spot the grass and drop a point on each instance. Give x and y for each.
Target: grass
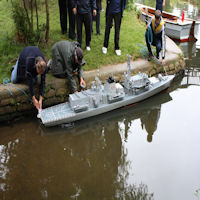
(132, 32)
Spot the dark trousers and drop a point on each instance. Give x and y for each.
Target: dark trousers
(87, 20)
(157, 42)
(64, 7)
(97, 20)
(109, 19)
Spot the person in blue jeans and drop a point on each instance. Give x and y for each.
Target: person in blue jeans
(114, 11)
(30, 64)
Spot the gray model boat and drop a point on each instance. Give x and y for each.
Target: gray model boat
(101, 98)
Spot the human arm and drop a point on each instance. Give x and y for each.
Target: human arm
(163, 2)
(80, 75)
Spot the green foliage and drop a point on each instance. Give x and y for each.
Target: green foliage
(131, 5)
(24, 24)
(131, 32)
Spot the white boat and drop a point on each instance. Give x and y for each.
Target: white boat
(102, 98)
(176, 29)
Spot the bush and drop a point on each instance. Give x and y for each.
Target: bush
(22, 15)
(131, 5)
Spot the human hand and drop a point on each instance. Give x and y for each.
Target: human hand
(82, 83)
(163, 61)
(94, 12)
(40, 102)
(74, 11)
(36, 103)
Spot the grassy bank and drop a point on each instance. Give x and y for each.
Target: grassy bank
(132, 32)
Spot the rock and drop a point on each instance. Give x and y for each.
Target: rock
(53, 101)
(50, 93)
(23, 107)
(8, 101)
(7, 109)
(171, 67)
(61, 92)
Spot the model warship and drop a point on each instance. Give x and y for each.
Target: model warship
(102, 98)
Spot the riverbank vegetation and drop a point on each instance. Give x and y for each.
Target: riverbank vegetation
(132, 33)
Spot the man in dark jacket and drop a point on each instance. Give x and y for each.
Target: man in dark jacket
(30, 64)
(114, 10)
(65, 6)
(157, 26)
(82, 8)
(67, 59)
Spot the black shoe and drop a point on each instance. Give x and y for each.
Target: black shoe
(157, 56)
(149, 57)
(98, 33)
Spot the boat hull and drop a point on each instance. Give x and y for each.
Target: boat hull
(62, 113)
(174, 27)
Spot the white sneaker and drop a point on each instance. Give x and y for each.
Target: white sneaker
(118, 52)
(104, 50)
(88, 48)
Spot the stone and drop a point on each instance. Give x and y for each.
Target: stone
(8, 101)
(153, 72)
(50, 93)
(7, 109)
(23, 107)
(22, 99)
(171, 67)
(61, 92)
(53, 101)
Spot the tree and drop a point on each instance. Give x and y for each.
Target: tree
(26, 18)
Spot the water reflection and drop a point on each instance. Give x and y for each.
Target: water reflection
(86, 162)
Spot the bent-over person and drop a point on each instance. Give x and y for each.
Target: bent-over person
(30, 64)
(67, 59)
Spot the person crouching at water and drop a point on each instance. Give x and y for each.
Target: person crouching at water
(66, 61)
(29, 65)
(157, 26)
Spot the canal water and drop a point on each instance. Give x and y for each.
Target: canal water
(147, 151)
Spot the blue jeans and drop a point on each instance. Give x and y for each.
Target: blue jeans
(14, 73)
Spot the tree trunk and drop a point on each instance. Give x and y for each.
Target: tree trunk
(47, 21)
(36, 10)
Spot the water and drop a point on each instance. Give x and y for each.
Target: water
(151, 149)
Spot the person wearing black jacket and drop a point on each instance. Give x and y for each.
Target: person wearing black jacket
(65, 6)
(114, 11)
(82, 9)
(29, 65)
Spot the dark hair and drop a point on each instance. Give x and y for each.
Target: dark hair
(158, 14)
